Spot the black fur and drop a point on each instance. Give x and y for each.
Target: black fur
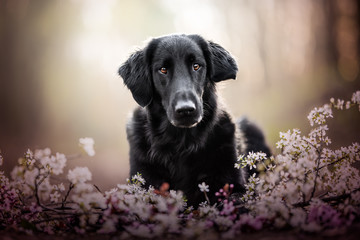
(181, 136)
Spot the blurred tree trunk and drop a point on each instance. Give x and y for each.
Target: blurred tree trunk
(20, 93)
(342, 40)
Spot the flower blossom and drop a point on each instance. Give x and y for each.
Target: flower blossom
(60, 187)
(318, 115)
(87, 145)
(79, 175)
(54, 197)
(203, 187)
(356, 97)
(138, 179)
(55, 163)
(293, 191)
(324, 214)
(41, 153)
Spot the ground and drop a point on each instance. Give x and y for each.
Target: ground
(351, 233)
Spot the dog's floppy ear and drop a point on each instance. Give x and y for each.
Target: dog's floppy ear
(137, 78)
(223, 64)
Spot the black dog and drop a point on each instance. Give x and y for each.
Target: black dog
(180, 135)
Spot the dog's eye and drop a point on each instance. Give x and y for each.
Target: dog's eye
(163, 70)
(196, 66)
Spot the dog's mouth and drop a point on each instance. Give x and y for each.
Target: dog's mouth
(186, 122)
(186, 111)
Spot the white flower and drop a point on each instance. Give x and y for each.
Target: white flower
(256, 156)
(55, 163)
(203, 187)
(1, 160)
(44, 189)
(54, 197)
(87, 144)
(79, 175)
(356, 97)
(170, 221)
(61, 187)
(58, 163)
(224, 221)
(17, 173)
(271, 167)
(253, 179)
(250, 163)
(110, 192)
(83, 187)
(138, 179)
(88, 200)
(241, 158)
(29, 154)
(348, 105)
(40, 153)
(340, 104)
(318, 115)
(29, 176)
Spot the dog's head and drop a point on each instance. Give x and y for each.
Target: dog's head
(175, 70)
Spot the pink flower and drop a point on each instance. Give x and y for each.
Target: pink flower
(326, 216)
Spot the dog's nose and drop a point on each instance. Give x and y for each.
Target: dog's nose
(185, 108)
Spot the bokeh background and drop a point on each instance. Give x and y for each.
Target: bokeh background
(59, 61)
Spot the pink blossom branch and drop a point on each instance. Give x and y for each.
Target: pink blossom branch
(327, 199)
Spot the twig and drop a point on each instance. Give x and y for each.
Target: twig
(71, 186)
(338, 160)
(332, 163)
(316, 176)
(206, 197)
(97, 188)
(336, 198)
(328, 199)
(37, 190)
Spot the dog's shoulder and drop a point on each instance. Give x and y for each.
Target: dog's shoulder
(137, 123)
(224, 128)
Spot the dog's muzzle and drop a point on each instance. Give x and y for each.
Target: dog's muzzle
(187, 111)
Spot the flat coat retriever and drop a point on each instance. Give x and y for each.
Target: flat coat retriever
(180, 134)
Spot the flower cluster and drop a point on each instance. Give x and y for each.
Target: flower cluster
(308, 186)
(33, 196)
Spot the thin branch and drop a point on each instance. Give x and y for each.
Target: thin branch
(71, 186)
(316, 176)
(340, 197)
(338, 160)
(332, 163)
(97, 188)
(37, 191)
(328, 199)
